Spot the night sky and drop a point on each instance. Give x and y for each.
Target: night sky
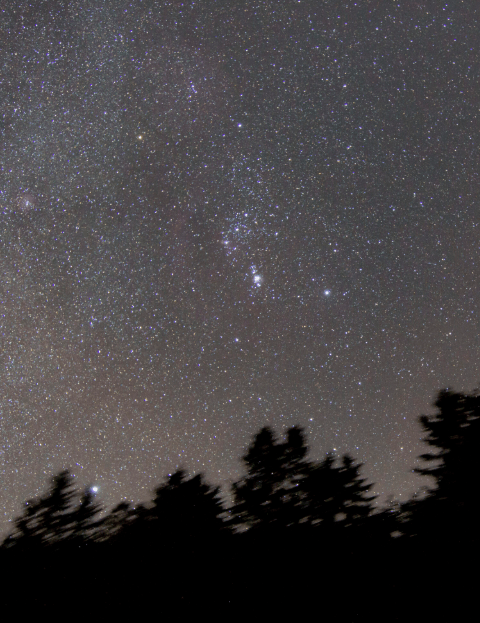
(221, 215)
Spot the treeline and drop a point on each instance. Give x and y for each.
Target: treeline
(298, 531)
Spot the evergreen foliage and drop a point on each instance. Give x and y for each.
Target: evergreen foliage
(186, 509)
(454, 432)
(450, 506)
(84, 518)
(338, 496)
(48, 519)
(295, 522)
(272, 492)
(283, 489)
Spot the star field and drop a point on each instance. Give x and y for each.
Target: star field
(216, 216)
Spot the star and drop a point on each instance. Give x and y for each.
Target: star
(155, 259)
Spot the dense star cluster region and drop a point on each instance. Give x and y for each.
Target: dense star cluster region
(220, 215)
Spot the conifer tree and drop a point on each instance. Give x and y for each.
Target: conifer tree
(185, 509)
(356, 503)
(272, 493)
(454, 431)
(46, 520)
(120, 523)
(324, 493)
(84, 517)
(337, 496)
(450, 510)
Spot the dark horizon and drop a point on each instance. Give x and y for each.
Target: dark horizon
(307, 527)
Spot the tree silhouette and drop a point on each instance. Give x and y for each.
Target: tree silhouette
(295, 468)
(27, 530)
(46, 520)
(119, 522)
(254, 494)
(325, 497)
(283, 489)
(337, 496)
(357, 504)
(84, 518)
(296, 511)
(450, 510)
(183, 511)
(272, 493)
(454, 431)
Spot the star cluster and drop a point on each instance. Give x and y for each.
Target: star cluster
(216, 216)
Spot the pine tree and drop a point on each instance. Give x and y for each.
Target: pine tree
(184, 510)
(295, 469)
(357, 504)
(450, 509)
(57, 523)
(454, 432)
(325, 498)
(84, 518)
(337, 496)
(46, 520)
(272, 492)
(27, 532)
(121, 523)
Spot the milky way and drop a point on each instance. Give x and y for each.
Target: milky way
(216, 216)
